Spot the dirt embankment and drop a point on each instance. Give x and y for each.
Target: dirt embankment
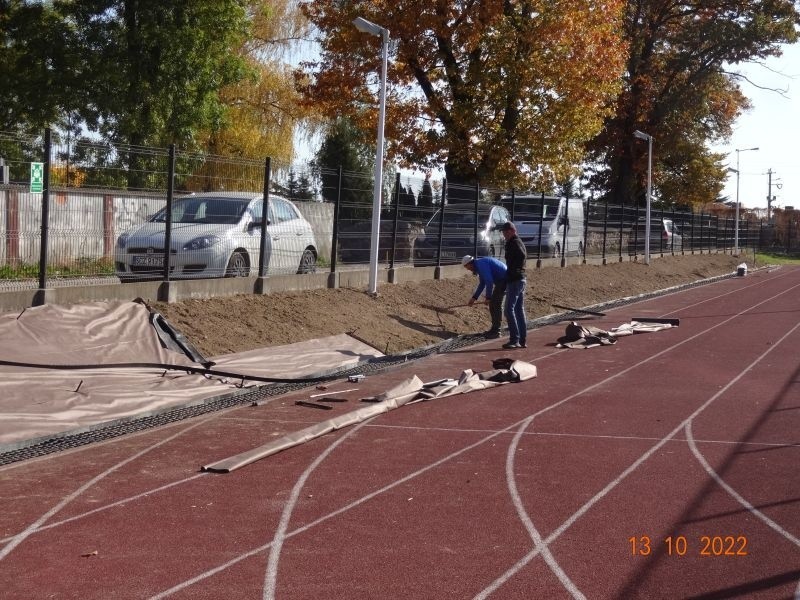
(412, 315)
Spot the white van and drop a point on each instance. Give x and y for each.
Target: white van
(555, 215)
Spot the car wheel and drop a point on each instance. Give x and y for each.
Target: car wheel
(238, 265)
(308, 262)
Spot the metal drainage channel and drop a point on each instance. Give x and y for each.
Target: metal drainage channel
(258, 394)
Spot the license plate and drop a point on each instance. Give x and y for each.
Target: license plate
(448, 254)
(148, 260)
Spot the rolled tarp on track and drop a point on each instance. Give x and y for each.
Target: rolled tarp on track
(412, 389)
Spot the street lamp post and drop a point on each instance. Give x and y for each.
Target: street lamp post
(373, 29)
(644, 136)
(736, 229)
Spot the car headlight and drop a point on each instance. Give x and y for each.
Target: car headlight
(204, 241)
(122, 240)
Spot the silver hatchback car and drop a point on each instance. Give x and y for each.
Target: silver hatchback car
(218, 235)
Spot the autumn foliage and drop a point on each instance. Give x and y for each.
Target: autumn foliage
(499, 91)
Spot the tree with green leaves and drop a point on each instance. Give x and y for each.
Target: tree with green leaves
(152, 71)
(425, 199)
(678, 89)
(32, 57)
(498, 91)
(263, 108)
(343, 147)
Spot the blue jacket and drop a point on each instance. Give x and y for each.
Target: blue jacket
(489, 271)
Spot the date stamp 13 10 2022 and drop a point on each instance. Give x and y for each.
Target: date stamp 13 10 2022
(680, 545)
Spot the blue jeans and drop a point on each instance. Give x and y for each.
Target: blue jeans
(515, 311)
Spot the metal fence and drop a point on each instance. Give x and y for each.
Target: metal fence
(109, 213)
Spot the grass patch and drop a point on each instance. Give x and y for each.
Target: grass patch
(81, 267)
(771, 258)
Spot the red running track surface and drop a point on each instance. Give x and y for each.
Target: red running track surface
(665, 466)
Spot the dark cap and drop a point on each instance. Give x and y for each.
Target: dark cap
(507, 226)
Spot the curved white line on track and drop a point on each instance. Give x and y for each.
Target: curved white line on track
(441, 461)
(33, 527)
(271, 577)
(733, 493)
(548, 557)
(736, 496)
(514, 569)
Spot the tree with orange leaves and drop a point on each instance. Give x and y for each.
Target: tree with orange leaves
(498, 91)
(678, 88)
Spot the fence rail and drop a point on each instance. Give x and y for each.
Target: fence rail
(110, 213)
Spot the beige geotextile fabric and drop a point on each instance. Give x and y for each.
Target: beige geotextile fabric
(586, 336)
(406, 392)
(41, 403)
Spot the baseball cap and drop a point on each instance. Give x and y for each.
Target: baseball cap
(466, 260)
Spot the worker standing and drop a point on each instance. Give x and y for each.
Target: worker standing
(492, 279)
(516, 255)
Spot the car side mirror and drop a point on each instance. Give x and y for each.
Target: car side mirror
(255, 224)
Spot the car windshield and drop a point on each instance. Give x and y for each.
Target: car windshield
(216, 211)
(532, 209)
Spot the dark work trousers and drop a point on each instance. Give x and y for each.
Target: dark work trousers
(496, 305)
(515, 312)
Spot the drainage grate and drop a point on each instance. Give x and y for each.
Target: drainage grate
(256, 395)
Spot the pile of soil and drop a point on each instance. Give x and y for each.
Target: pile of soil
(412, 315)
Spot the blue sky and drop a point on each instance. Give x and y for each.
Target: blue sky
(772, 125)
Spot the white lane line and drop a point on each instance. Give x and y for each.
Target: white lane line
(728, 293)
(732, 492)
(453, 455)
(534, 534)
(152, 491)
(497, 583)
(33, 527)
(271, 577)
(112, 505)
(588, 435)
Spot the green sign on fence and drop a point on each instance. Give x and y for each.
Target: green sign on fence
(37, 176)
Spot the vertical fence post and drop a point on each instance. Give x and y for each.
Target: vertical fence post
(45, 210)
(725, 237)
(586, 227)
(443, 203)
(701, 232)
(262, 245)
(564, 235)
(674, 228)
(475, 232)
(513, 204)
(619, 235)
(635, 233)
(335, 235)
(539, 245)
(605, 229)
(394, 224)
(168, 214)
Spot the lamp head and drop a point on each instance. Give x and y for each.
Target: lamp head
(641, 135)
(367, 26)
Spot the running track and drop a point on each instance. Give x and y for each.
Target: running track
(688, 438)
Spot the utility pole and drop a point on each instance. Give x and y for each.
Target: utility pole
(770, 197)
